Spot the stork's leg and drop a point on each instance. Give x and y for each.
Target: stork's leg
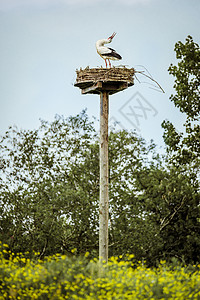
(106, 62)
(109, 63)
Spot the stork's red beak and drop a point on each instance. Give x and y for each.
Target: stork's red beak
(112, 36)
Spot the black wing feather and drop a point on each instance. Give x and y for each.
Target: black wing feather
(112, 54)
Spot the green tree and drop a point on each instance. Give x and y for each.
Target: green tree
(170, 200)
(184, 151)
(50, 185)
(44, 196)
(50, 194)
(186, 146)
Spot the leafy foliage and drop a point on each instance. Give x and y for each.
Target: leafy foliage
(50, 185)
(187, 78)
(184, 148)
(50, 194)
(64, 277)
(187, 99)
(45, 191)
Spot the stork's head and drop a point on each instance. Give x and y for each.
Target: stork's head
(111, 37)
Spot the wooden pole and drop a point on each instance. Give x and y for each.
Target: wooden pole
(103, 203)
(94, 81)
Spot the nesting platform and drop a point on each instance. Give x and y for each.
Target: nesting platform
(97, 80)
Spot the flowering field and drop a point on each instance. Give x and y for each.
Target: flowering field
(62, 277)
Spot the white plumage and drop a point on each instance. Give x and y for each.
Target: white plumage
(105, 52)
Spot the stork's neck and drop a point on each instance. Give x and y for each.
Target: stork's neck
(102, 42)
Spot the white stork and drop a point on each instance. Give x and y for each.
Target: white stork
(105, 52)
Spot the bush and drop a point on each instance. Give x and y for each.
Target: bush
(62, 277)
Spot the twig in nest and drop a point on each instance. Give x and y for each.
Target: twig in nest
(145, 70)
(137, 79)
(151, 78)
(156, 88)
(120, 66)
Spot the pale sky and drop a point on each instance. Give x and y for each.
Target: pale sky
(43, 42)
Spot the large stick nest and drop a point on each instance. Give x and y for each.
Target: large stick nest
(115, 74)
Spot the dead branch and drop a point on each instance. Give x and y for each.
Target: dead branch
(151, 78)
(168, 218)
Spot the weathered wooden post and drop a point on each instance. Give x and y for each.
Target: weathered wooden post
(103, 202)
(105, 82)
